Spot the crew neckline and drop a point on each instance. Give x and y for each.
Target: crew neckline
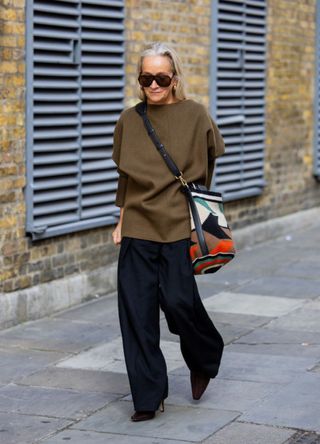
(153, 105)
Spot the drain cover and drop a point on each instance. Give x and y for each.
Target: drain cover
(304, 438)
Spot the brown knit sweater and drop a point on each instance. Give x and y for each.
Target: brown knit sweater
(154, 206)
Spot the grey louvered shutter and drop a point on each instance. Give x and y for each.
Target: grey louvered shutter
(238, 94)
(75, 90)
(316, 156)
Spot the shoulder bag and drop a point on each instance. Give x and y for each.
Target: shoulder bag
(211, 244)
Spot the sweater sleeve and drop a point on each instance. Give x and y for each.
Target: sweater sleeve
(123, 177)
(216, 148)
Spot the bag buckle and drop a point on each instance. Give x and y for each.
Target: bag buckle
(182, 180)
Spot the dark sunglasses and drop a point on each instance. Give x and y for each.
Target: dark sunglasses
(162, 80)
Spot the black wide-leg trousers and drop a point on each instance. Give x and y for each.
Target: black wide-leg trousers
(159, 274)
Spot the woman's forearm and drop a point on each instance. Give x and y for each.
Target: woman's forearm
(121, 214)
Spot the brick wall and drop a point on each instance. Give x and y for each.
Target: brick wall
(183, 24)
(186, 25)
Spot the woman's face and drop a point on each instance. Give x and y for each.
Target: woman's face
(156, 94)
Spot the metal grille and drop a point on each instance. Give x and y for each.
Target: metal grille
(238, 94)
(75, 82)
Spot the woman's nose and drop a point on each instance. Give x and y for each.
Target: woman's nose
(154, 84)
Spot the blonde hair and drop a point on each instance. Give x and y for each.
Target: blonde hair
(161, 49)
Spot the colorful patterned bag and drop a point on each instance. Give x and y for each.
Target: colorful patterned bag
(211, 240)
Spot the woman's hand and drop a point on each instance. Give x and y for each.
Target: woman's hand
(116, 234)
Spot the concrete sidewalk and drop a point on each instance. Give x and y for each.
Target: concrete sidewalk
(63, 378)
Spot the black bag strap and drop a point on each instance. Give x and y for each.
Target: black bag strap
(141, 109)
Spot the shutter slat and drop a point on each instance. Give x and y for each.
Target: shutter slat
(55, 84)
(97, 211)
(102, 164)
(55, 183)
(60, 170)
(100, 199)
(56, 134)
(56, 146)
(54, 97)
(90, 142)
(55, 33)
(102, 24)
(98, 47)
(50, 196)
(97, 130)
(100, 187)
(60, 207)
(57, 8)
(56, 220)
(58, 158)
(99, 177)
(102, 12)
(106, 36)
(55, 121)
(103, 60)
(51, 21)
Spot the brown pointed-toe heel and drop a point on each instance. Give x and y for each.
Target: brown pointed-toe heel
(142, 416)
(161, 405)
(147, 414)
(199, 383)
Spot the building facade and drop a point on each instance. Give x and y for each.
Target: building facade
(68, 68)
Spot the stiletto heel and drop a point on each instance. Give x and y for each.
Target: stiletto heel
(162, 405)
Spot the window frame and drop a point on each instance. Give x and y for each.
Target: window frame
(33, 228)
(237, 119)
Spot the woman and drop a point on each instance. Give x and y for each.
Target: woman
(154, 266)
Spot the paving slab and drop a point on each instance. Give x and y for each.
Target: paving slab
(240, 319)
(229, 332)
(264, 258)
(57, 334)
(221, 393)
(215, 285)
(305, 319)
(251, 304)
(78, 379)
(303, 437)
(244, 433)
(26, 429)
(280, 286)
(58, 403)
(306, 268)
(90, 437)
(258, 367)
(101, 311)
(276, 341)
(303, 350)
(296, 405)
(176, 422)
(15, 362)
(226, 279)
(109, 357)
